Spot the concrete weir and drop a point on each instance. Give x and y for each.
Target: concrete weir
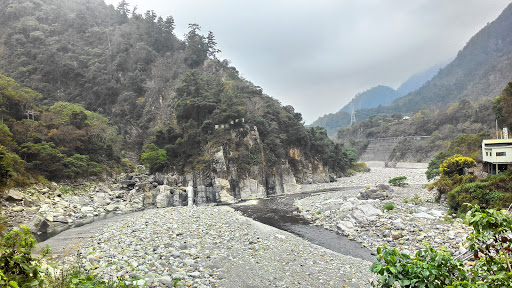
(380, 149)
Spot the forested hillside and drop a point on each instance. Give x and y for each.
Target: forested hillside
(60, 142)
(170, 99)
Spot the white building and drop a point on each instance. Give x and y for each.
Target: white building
(496, 155)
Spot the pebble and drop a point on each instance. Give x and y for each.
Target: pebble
(213, 246)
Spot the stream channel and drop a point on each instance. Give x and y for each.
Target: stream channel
(281, 213)
(277, 211)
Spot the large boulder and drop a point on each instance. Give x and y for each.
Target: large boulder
(149, 199)
(345, 228)
(101, 198)
(380, 192)
(13, 196)
(38, 224)
(364, 213)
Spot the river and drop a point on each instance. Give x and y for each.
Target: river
(281, 213)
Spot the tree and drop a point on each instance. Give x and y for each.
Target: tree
(154, 158)
(212, 46)
(169, 24)
(196, 51)
(123, 8)
(502, 107)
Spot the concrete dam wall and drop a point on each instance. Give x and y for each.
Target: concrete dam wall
(380, 149)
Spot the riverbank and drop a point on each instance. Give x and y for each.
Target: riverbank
(212, 247)
(414, 218)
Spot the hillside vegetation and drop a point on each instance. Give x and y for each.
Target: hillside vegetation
(60, 142)
(480, 71)
(172, 100)
(443, 126)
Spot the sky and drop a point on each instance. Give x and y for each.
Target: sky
(316, 55)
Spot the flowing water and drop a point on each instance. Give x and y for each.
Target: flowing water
(280, 212)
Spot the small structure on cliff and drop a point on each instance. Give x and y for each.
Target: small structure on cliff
(496, 155)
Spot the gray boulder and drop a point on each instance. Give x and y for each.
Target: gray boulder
(345, 228)
(13, 196)
(163, 199)
(365, 213)
(38, 224)
(101, 199)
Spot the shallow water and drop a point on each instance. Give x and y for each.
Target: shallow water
(280, 212)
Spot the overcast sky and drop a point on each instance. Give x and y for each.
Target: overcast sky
(317, 54)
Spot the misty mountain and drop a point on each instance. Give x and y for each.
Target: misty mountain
(480, 71)
(379, 95)
(419, 79)
(374, 97)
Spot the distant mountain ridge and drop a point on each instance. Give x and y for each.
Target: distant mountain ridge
(419, 79)
(480, 71)
(374, 97)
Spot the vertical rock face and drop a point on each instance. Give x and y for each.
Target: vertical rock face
(234, 175)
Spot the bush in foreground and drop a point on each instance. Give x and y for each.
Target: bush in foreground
(19, 269)
(490, 245)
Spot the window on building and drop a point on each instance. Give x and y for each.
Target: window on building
(501, 153)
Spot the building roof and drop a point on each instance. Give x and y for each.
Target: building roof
(497, 141)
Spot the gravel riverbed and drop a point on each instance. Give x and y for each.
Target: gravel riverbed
(216, 246)
(416, 217)
(212, 247)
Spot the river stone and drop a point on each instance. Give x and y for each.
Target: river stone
(437, 213)
(112, 207)
(364, 213)
(62, 219)
(38, 224)
(398, 224)
(346, 228)
(13, 196)
(18, 209)
(45, 208)
(87, 210)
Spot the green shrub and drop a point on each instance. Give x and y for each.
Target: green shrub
(428, 268)
(456, 165)
(17, 266)
(398, 181)
(360, 167)
(154, 158)
(388, 207)
(489, 244)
